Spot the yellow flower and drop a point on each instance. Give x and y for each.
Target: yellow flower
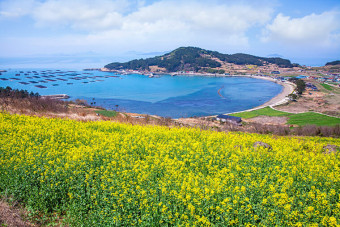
(332, 221)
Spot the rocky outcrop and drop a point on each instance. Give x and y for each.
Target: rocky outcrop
(262, 144)
(329, 149)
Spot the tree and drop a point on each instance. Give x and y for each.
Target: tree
(300, 86)
(16, 93)
(81, 102)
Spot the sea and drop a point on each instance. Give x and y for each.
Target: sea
(166, 95)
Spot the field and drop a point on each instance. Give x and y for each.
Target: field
(308, 118)
(313, 118)
(327, 87)
(107, 174)
(107, 113)
(267, 111)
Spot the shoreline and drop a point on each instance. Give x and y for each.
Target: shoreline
(279, 99)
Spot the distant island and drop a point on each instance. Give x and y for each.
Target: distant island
(198, 60)
(333, 63)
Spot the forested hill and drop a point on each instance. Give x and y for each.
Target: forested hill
(196, 59)
(333, 63)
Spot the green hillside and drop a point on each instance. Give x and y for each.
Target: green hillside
(195, 59)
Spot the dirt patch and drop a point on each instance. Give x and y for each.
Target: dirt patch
(154, 68)
(12, 216)
(323, 101)
(197, 122)
(268, 120)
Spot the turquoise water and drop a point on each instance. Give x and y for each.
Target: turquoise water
(167, 96)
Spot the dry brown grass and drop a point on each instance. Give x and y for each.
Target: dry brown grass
(44, 107)
(60, 109)
(322, 101)
(13, 215)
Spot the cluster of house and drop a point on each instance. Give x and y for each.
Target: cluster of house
(333, 78)
(311, 87)
(285, 78)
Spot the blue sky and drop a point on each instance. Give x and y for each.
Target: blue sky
(95, 32)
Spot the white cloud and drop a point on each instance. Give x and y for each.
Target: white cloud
(199, 16)
(81, 14)
(131, 15)
(186, 23)
(17, 8)
(132, 24)
(163, 15)
(316, 29)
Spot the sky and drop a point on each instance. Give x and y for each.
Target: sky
(92, 33)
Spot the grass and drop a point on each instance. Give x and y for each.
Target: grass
(312, 118)
(290, 75)
(309, 118)
(327, 87)
(107, 113)
(267, 111)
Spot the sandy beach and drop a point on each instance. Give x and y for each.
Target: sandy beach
(281, 98)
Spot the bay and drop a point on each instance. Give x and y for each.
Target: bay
(167, 96)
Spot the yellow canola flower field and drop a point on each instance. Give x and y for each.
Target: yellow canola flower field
(113, 174)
